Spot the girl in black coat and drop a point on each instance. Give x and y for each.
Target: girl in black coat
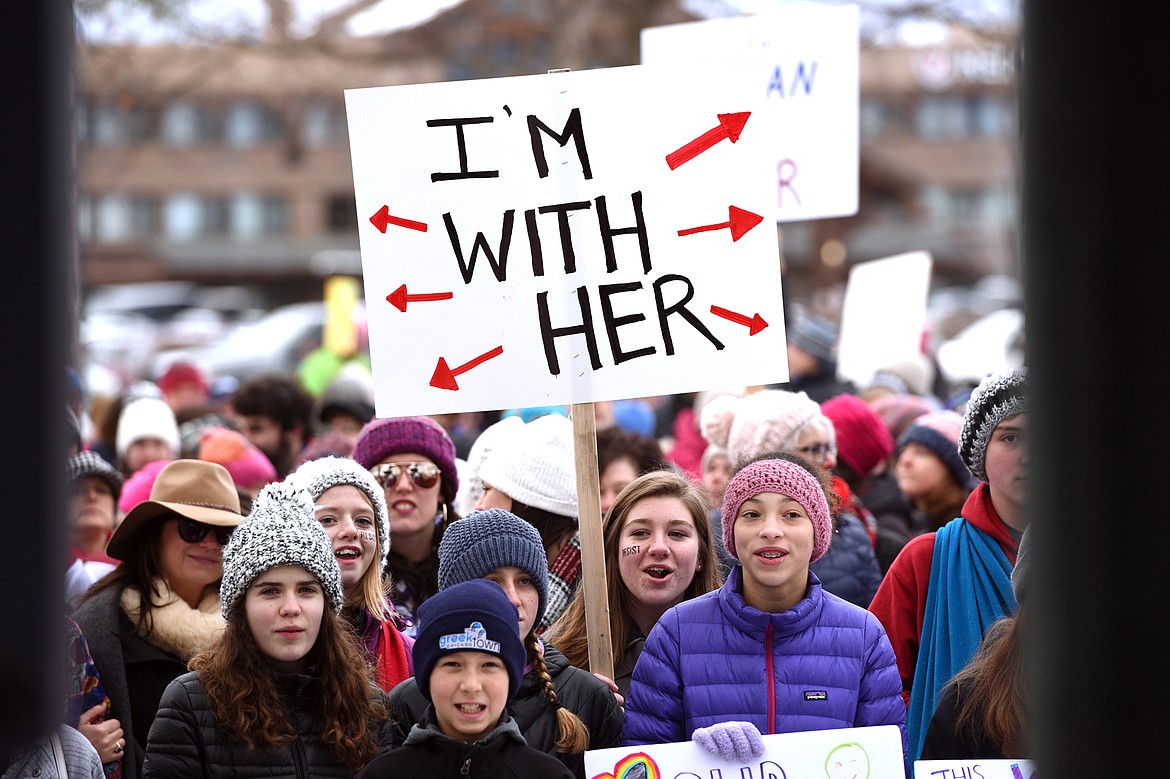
(285, 690)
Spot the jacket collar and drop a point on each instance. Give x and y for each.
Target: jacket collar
(754, 622)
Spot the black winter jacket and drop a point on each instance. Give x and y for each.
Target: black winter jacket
(578, 691)
(184, 740)
(502, 754)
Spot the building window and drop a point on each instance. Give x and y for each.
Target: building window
(118, 218)
(249, 123)
(189, 216)
(257, 216)
(117, 123)
(188, 124)
(341, 214)
(872, 118)
(324, 125)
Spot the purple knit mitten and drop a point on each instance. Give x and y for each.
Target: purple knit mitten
(732, 741)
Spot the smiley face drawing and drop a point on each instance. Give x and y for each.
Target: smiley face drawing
(847, 761)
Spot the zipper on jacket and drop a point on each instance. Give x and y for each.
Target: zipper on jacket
(465, 769)
(771, 680)
(299, 758)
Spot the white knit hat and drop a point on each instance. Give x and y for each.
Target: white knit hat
(281, 530)
(758, 423)
(534, 465)
(471, 487)
(317, 476)
(147, 418)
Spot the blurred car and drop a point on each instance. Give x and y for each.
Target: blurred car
(276, 342)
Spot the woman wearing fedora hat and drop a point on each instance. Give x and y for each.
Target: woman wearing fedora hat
(146, 618)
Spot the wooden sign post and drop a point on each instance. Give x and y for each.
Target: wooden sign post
(593, 578)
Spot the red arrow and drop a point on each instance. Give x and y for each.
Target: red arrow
(738, 220)
(754, 325)
(444, 377)
(399, 297)
(730, 126)
(383, 218)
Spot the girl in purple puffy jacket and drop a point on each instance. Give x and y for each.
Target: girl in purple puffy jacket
(770, 651)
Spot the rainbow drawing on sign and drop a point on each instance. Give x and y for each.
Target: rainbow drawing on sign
(636, 766)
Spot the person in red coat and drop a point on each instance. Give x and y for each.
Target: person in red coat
(945, 589)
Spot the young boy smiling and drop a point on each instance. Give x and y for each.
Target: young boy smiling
(468, 662)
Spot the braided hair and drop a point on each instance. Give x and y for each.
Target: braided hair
(573, 735)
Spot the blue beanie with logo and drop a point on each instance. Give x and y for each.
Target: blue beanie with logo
(472, 616)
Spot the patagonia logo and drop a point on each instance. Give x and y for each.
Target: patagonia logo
(473, 637)
(816, 695)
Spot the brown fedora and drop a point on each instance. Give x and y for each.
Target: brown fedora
(196, 489)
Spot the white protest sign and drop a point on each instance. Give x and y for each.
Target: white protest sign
(565, 238)
(846, 753)
(883, 314)
(804, 58)
(974, 769)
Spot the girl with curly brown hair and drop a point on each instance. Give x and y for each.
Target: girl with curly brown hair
(284, 691)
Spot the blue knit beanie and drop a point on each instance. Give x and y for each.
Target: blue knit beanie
(482, 541)
(471, 616)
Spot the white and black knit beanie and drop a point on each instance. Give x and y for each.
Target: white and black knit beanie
(317, 476)
(281, 530)
(998, 397)
(535, 465)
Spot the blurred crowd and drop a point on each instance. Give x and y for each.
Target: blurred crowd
(883, 520)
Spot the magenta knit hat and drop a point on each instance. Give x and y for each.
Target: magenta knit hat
(786, 478)
(863, 440)
(382, 437)
(138, 486)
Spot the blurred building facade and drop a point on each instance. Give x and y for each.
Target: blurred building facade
(231, 165)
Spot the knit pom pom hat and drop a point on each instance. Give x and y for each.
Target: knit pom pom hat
(384, 436)
(785, 478)
(317, 476)
(86, 464)
(758, 423)
(281, 530)
(898, 411)
(472, 616)
(997, 398)
(535, 465)
(482, 541)
(939, 432)
(863, 440)
(147, 418)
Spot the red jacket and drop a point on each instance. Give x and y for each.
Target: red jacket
(900, 602)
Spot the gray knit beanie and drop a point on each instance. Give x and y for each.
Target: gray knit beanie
(483, 541)
(281, 530)
(317, 476)
(998, 397)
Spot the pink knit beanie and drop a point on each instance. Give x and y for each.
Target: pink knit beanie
(785, 478)
(138, 486)
(758, 423)
(249, 467)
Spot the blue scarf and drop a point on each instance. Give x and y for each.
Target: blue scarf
(969, 566)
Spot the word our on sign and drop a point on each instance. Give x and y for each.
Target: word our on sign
(565, 238)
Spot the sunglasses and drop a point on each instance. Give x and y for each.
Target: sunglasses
(193, 532)
(424, 475)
